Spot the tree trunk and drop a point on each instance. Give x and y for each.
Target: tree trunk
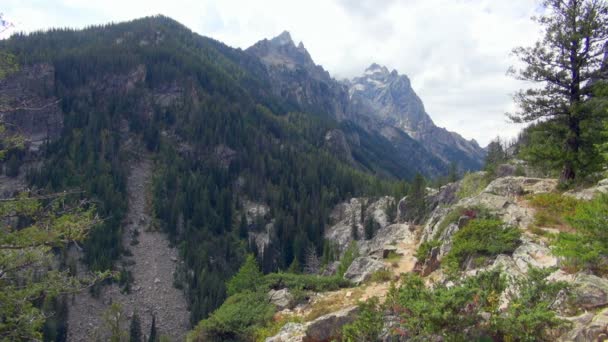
(571, 149)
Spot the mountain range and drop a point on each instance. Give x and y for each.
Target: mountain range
(380, 101)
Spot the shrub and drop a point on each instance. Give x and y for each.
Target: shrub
(306, 282)
(368, 325)
(448, 312)
(236, 320)
(529, 316)
(425, 249)
(481, 237)
(351, 253)
(588, 247)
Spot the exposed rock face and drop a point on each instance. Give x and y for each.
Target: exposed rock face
(590, 291)
(588, 327)
(336, 142)
(323, 329)
(517, 186)
(37, 117)
(348, 214)
(362, 269)
(297, 78)
(280, 298)
(381, 105)
(389, 97)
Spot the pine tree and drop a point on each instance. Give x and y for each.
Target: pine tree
(354, 230)
(370, 228)
(313, 264)
(417, 199)
(135, 329)
(152, 337)
(247, 278)
(565, 63)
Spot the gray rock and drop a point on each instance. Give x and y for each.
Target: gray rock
(517, 186)
(282, 298)
(590, 291)
(587, 327)
(533, 254)
(324, 328)
(362, 269)
(329, 327)
(590, 193)
(291, 332)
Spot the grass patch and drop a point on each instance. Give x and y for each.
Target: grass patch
(472, 184)
(381, 276)
(273, 328)
(552, 209)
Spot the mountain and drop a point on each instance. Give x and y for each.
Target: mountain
(389, 97)
(164, 129)
(380, 102)
(295, 78)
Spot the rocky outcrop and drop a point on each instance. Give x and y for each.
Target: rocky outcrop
(587, 327)
(589, 292)
(323, 329)
(26, 110)
(282, 298)
(354, 213)
(587, 194)
(362, 269)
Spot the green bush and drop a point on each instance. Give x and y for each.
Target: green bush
(425, 249)
(307, 282)
(529, 316)
(450, 312)
(368, 325)
(236, 320)
(481, 237)
(454, 313)
(588, 247)
(351, 253)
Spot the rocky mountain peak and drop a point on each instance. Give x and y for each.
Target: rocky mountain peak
(283, 39)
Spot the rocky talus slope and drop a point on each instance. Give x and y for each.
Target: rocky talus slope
(394, 246)
(152, 264)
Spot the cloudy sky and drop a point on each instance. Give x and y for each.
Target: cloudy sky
(456, 52)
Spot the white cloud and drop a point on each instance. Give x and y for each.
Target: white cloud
(456, 52)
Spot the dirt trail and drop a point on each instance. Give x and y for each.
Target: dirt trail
(152, 265)
(334, 301)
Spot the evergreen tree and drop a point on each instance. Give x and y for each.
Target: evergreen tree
(369, 228)
(566, 63)
(135, 334)
(417, 199)
(453, 173)
(247, 278)
(496, 155)
(152, 337)
(354, 230)
(313, 264)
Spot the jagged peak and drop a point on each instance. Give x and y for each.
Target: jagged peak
(376, 68)
(283, 39)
